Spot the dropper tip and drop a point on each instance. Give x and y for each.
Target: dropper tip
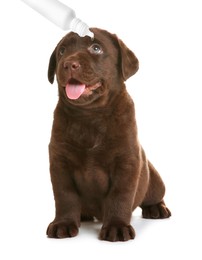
(81, 28)
(90, 34)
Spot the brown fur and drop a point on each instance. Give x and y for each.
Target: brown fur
(98, 168)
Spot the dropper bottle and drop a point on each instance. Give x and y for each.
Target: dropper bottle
(61, 15)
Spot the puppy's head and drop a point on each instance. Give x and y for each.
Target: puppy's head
(89, 70)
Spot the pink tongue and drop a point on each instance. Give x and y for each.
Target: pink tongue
(74, 91)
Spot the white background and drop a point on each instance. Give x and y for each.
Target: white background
(166, 37)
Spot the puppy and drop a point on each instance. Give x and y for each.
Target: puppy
(98, 168)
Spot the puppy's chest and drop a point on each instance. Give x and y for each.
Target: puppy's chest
(85, 133)
(91, 181)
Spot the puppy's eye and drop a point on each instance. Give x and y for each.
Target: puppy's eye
(61, 51)
(95, 49)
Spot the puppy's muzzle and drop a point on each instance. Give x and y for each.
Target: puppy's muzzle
(71, 65)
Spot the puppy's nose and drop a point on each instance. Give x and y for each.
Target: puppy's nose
(73, 65)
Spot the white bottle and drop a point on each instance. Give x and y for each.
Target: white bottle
(61, 15)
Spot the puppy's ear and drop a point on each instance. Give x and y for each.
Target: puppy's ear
(129, 62)
(52, 67)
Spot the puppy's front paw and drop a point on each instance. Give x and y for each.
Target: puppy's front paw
(62, 229)
(117, 233)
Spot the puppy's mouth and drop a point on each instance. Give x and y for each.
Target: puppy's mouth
(74, 88)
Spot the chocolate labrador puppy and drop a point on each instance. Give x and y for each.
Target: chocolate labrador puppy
(98, 167)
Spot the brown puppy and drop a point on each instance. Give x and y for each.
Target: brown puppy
(98, 168)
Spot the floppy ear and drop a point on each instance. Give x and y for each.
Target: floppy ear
(129, 62)
(52, 67)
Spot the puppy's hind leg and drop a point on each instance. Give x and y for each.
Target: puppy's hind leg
(153, 205)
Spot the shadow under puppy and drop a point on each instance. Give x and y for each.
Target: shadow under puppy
(98, 167)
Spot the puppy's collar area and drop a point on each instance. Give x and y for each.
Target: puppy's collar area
(74, 88)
